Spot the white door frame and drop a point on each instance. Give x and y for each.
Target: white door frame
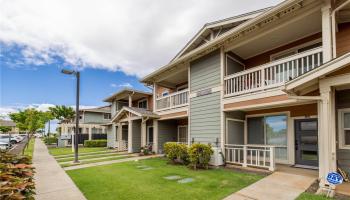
(235, 120)
(178, 132)
(147, 134)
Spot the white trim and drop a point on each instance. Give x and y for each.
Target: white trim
(289, 148)
(147, 134)
(178, 132)
(144, 99)
(341, 135)
(235, 120)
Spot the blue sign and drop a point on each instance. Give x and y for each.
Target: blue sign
(334, 178)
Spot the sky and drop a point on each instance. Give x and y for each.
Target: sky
(113, 43)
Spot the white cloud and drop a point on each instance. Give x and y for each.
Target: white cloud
(132, 36)
(113, 85)
(125, 85)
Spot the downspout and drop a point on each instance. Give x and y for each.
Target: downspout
(334, 44)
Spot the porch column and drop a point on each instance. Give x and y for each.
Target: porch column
(130, 137)
(112, 137)
(155, 136)
(143, 134)
(90, 133)
(130, 100)
(119, 136)
(326, 135)
(327, 31)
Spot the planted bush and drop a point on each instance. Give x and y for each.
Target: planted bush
(16, 177)
(95, 143)
(199, 155)
(146, 150)
(176, 153)
(50, 140)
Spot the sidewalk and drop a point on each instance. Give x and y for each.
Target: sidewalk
(51, 181)
(277, 186)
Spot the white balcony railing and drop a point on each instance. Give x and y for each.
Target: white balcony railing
(273, 74)
(173, 100)
(262, 156)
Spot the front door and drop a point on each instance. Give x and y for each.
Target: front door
(306, 142)
(150, 135)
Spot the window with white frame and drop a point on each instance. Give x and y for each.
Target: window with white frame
(107, 116)
(142, 103)
(344, 128)
(165, 93)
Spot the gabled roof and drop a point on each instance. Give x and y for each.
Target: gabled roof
(236, 32)
(140, 112)
(102, 109)
(123, 94)
(214, 29)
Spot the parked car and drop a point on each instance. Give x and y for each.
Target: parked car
(18, 137)
(13, 140)
(4, 146)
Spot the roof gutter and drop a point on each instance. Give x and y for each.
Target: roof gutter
(211, 44)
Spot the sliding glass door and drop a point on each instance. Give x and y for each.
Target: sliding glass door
(270, 130)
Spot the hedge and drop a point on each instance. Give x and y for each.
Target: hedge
(50, 140)
(176, 153)
(199, 155)
(95, 143)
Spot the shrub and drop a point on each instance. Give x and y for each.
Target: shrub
(146, 150)
(95, 143)
(199, 155)
(50, 140)
(16, 177)
(176, 153)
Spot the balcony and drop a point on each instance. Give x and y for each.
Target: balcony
(172, 101)
(273, 74)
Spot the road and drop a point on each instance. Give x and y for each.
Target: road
(17, 148)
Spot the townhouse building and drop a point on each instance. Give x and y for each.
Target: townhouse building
(263, 88)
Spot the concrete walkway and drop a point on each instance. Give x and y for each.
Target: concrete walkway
(110, 162)
(51, 181)
(277, 186)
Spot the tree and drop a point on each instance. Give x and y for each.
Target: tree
(29, 120)
(5, 129)
(63, 113)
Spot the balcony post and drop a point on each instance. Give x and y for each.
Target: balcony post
(272, 158)
(327, 31)
(245, 155)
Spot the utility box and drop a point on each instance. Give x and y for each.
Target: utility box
(217, 157)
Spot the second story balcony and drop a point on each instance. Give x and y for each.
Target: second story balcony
(172, 100)
(272, 74)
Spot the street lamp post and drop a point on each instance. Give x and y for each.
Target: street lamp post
(77, 75)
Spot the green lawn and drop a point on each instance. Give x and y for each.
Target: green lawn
(127, 181)
(56, 151)
(90, 156)
(309, 196)
(30, 148)
(95, 161)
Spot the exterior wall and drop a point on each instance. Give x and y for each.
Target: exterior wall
(343, 155)
(167, 132)
(160, 90)
(343, 39)
(265, 57)
(205, 110)
(136, 135)
(125, 133)
(93, 117)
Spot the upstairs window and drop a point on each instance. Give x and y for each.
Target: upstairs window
(142, 104)
(107, 116)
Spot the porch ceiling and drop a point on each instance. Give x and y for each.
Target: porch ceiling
(174, 78)
(285, 34)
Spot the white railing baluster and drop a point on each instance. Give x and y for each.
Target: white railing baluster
(173, 100)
